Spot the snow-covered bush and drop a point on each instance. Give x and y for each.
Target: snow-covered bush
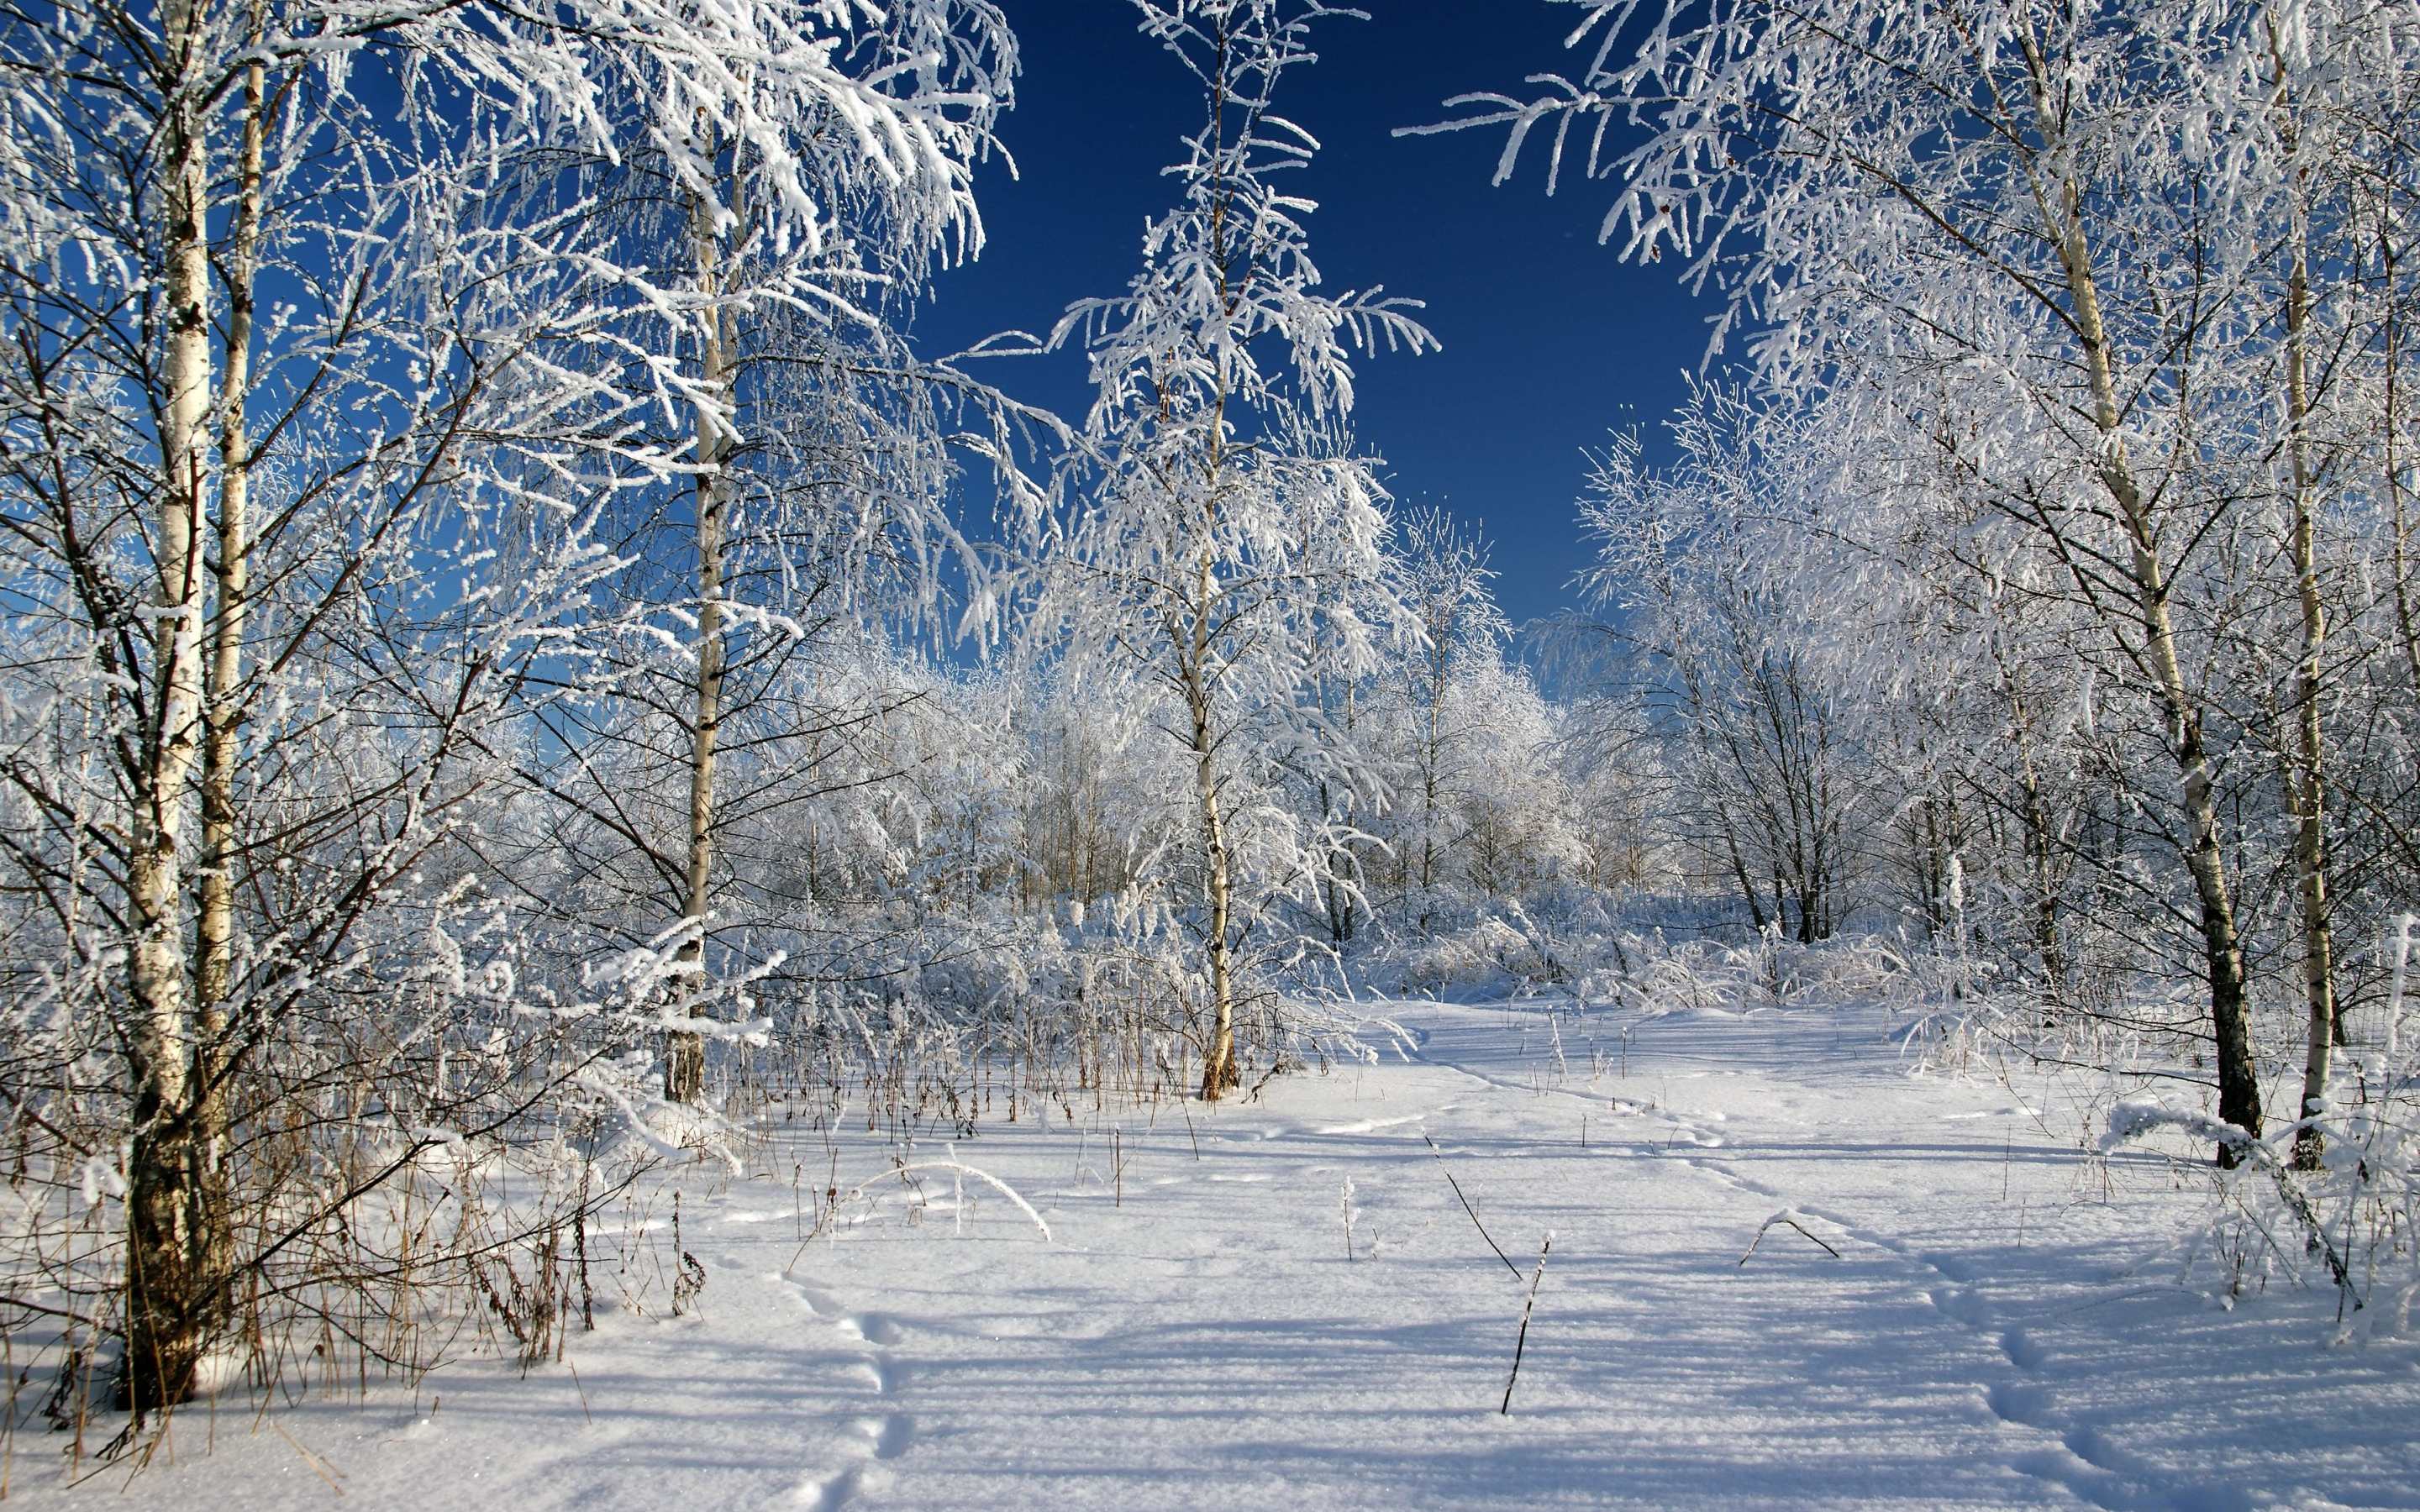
(2332, 1200)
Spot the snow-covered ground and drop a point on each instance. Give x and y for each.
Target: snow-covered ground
(1193, 1334)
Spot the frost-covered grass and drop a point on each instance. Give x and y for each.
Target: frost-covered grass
(2006, 1323)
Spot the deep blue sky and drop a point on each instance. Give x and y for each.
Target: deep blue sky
(1550, 341)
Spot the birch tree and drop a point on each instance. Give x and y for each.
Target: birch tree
(1445, 576)
(1201, 566)
(326, 352)
(162, 169)
(777, 183)
(2066, 215)
(1713, 586)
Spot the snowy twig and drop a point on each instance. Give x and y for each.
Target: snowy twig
(1467, 1207)
(603, 1086)
(1784, 1217)
(1521, 1342)
(954, 1168)
(2134, 1118)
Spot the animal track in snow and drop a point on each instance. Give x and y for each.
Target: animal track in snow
(886, 1433)
(1731, 1177)
(2017, 1402)
(822, 1493)
(1369, 1125)
(2081, 1459)
(820, 1304)
(880, 1373)
(872, 1327)
(881, 1437)
(2022, 1350)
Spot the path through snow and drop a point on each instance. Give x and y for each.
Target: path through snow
(1983, 1338)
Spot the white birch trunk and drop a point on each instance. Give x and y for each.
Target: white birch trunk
(165, 1322)
(2306, 789)
(685, 1050)
(2239, 1088)
(1219, 1069)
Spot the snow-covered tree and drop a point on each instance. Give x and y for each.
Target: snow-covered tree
(1203, 566)
(776, 182)
(2071, 255)
(262, 376)
(1445, 576)
(1702, 569)
(335, 364)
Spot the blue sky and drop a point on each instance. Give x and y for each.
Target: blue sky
(1550, 341)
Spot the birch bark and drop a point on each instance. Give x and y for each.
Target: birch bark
(684, 1049)
(2239, 1086)
(166, 1223)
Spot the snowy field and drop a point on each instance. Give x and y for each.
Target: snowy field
(1995, 1332)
